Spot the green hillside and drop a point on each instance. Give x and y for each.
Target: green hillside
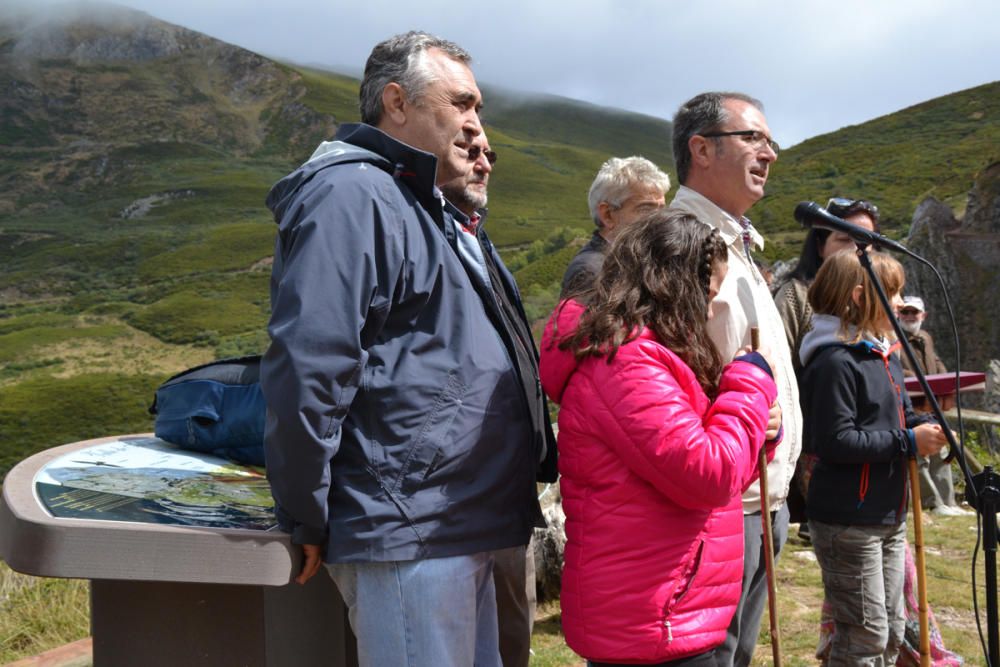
(133, 237)
(548, 118)
(931, 149)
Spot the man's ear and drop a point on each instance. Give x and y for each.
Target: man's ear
(700, 150)
(604, 210)
(394, 103)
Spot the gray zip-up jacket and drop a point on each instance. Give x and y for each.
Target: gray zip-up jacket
(398, 426)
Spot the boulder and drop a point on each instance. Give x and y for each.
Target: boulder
(549, 544)
(966, 252)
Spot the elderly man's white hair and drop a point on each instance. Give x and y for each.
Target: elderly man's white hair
(617, 176)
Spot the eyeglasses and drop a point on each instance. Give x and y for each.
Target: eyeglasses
(909, 311)
(843, 207)
(476, 151)
(755, 138)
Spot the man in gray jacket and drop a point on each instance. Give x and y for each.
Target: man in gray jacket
(406, 423)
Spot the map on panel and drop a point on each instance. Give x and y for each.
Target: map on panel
(148, 480)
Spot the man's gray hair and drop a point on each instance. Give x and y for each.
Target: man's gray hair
(614, 181)
(702, 113)
(400, 59)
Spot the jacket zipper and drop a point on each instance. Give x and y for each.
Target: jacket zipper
(902, 419)
(691, 574)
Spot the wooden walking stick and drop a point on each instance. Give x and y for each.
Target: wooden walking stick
(918, 539)
(765, 513)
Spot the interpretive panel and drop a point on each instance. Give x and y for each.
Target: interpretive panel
(151, 481)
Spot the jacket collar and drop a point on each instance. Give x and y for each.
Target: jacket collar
(358, 142)
(827, 330)
(598, 242)
(417, 168)
(705, 210)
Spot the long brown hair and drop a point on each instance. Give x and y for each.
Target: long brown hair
(832, 291)
(656, 274)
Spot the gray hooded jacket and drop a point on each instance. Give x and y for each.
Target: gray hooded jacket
(398, 427)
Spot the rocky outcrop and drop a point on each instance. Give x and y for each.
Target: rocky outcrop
(96, 96)
(549, 545)
(990, 435)
(966, 252)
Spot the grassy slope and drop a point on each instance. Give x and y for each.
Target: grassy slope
(560, 120)
(192, 271)
(932, 149)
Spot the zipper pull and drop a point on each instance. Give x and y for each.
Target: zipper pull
(670, 633)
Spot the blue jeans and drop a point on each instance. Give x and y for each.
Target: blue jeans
(863, 573)
(422, 613)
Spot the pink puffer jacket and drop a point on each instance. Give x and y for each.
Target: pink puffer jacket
(652, 473)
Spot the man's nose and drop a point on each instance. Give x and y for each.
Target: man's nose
(472, 126)
(769, 153)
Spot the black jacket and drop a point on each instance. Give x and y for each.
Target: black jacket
(583, 268)
(507, 312)
(398, 425)
(858, 422)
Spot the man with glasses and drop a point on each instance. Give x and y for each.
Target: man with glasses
(468, 192)
(624, 190)
(405, 423)
(513, 569)
(723, 152)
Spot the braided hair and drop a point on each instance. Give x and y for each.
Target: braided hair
(656, 274)
(711, 248)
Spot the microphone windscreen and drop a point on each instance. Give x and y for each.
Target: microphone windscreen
(807, 211)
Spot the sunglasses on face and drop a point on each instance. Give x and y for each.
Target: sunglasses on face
(476, 151)
(755, 138)
(843, 207)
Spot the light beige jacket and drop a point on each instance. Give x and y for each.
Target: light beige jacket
(744, 301)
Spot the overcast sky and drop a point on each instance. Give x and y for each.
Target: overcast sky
(817, 66)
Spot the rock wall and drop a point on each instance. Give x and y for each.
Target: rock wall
(966, 251)
(549, 545)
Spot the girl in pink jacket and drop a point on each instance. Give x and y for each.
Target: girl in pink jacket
(657, 441)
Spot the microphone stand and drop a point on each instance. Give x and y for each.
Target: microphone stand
(986, 502)
(982, 491)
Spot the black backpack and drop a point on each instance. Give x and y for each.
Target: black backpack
(216, 408)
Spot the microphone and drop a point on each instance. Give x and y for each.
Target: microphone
(811, 214)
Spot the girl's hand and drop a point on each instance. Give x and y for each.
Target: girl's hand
(930, 439)
(773, 422)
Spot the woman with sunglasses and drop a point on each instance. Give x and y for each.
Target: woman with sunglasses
(790, 296)
(658, 438)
